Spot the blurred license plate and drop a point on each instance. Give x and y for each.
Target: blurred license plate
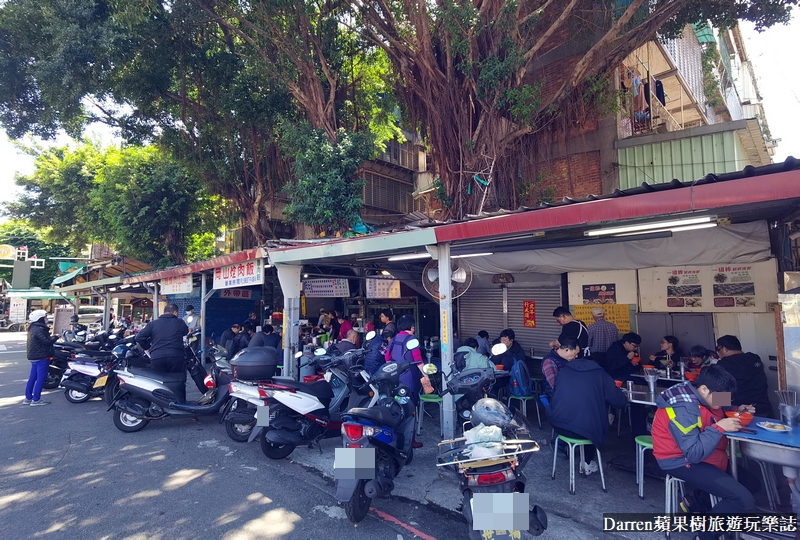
(262, 416)
(101, 381)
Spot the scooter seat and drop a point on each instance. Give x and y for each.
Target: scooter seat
(381, 415)
(159, 376)
(319, 389)
(94, 354)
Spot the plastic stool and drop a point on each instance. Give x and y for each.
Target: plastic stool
(572, 443)
(674, 487)
(431, 398)
(643, 442)
(524, 402)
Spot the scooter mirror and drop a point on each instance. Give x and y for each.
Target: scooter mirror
(429, 369)
(320, 352)
(299, 354)
(499, 349)
(370, 335)
(412, 343)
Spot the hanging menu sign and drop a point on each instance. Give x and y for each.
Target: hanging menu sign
(239, 275)
(326, 288)
(600, 294)
(176, 285)
(383, 288)
(719, 288)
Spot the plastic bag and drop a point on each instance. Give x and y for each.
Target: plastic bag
(482, 433)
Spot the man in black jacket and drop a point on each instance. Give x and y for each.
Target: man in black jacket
(619, 356)
(164, 339)
(748, 370)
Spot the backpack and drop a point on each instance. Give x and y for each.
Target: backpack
(460, 360)
(520, 383)
(586, 351)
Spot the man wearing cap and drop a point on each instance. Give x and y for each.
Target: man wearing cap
(191, 319)
(601, 335)
(40, 350)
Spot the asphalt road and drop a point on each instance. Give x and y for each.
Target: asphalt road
(67, 472)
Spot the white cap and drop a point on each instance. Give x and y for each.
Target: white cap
(598, 312)
(37, 314)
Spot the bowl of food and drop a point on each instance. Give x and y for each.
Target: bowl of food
(618, 383)
(691, 376)
(635, 360)
(648, 368)
(500, 366)
(744, 417)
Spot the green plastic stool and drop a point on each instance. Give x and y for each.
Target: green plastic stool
(643, 442)
(572, 443)
(430, 398)
(524, 404)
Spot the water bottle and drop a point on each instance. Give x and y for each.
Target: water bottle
(669, 372)
(683, 370)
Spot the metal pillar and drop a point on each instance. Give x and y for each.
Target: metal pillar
(155, 301)
(203, 313)
(446, 320)
(107, 310)
(289, 277)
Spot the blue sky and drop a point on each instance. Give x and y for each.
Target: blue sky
(769, 51)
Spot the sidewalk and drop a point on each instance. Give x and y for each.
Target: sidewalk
(423, 482)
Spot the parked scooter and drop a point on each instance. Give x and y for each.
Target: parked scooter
(502, 472)
(87, 375)
(305, 413)
(388, 428)
(145, 395)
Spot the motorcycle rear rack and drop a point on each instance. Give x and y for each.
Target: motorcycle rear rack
(470, 463)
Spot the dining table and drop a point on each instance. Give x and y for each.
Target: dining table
(771, 447)
(641, 394)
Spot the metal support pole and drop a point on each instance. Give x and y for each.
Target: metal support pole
(203, 313)
(446, 320)
(107, 311)
(289, 277)
(155, 301)
(505, 306)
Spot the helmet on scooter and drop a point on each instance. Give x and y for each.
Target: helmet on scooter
(490, 412)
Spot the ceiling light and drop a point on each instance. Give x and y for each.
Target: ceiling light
(410, 257)
(673, 229)
(385, 273)
(112, 289)
(124, 286)
(305, 275)
(471, 255)
(649, 226)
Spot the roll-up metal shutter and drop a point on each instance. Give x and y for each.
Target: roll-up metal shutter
(480, 309)
(547, 299)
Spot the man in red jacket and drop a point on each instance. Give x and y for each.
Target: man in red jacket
(689, 438)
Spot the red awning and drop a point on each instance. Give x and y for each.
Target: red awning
(210, 264)
(711, 196)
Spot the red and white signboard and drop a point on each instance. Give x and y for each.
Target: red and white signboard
(177, 284)
(239, 275)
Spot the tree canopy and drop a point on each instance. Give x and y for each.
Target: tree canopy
(137, 199)
(218, 83)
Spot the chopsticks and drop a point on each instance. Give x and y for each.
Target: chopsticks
(787, 397)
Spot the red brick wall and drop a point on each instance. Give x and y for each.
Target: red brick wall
(577, 175)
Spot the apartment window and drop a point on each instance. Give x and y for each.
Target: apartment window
(387, 193)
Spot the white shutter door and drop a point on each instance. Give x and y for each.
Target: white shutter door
(547, 329)
(480, 309)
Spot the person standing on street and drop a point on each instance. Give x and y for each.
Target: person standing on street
(191, 319)
(163, 338)
(601, 335)
(387, 319)
(40, 350)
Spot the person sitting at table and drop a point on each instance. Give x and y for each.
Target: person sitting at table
(349, 343)
(484, 345)
(581, 395)
(700, 357)
(689, 440)
(513, 350)
(669, 355)
(748, 370)
(471, 357)
(620, 357)
(557, 359)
